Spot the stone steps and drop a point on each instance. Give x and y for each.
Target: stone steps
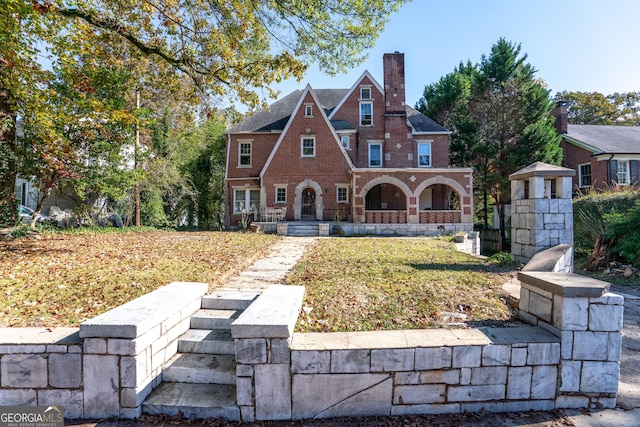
(303, 230)
(201, 368)
(200, 380)
(229, 299)
(196, 401)
(217, 341)
(213, 319)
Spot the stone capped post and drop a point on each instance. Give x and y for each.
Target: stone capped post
(542, 213)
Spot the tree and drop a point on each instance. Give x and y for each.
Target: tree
(500, 124)
(594, 108)
(235, 48)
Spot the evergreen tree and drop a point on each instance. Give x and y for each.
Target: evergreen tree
(500, 124)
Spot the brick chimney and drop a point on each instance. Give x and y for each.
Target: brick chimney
(562, 117)
(394, 83)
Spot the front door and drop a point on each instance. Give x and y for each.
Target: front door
(308, 204)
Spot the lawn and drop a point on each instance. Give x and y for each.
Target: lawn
(63, 279)
(360, 284)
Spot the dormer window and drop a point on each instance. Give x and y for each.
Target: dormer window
(365, 93)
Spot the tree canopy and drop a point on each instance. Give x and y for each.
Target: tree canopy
(233, 49)
(594, 108)
(499, 116)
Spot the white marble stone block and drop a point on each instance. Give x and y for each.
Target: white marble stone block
(419, 394)
(392, 360)
(251, 350)
(600, 377)
(467, 357)
(23, 371)
(496, 355)
(310, 362)
(65, 370)
(543, 353)
(489, 375)
(605, 317)
(570, 373)
(589, 345)
(475, 393)
(273, 392)
(350, 361)
(101, 393)
(543, 382)
(519, 383)
(326, 396)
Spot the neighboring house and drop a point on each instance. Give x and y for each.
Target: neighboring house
(602, 156)
(359, 153)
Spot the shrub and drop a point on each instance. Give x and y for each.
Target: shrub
(624, 231)
(589, 213)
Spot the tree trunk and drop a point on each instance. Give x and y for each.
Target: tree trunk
(601, 254)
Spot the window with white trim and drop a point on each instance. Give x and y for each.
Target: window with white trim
(365, 93)
(308, 110)
(424, 154)
(342, 194)
(245, 200)
(308, 146)
(346, 141)
(244, 154)
(366, 113)
(375, 155)
(281, 194)
(584, 175)
(623, 173)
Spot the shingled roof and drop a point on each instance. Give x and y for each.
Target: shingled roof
(602, 139)
(276, 117)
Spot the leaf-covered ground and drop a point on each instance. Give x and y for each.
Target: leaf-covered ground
(361, 284)
(63, 279)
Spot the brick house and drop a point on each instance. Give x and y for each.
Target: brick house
(602, 156)
(360, 153)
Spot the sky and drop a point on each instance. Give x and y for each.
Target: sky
(576, 45)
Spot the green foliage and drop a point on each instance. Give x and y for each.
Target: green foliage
(206, 172)
(624, 231)
(589, 216)
(594, 108)
(499, 116)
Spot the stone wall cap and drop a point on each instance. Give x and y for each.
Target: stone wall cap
(136, 317)
(541, 169)
(272, 315)
(39, 336)
(564, 284)
(548, 259)
(421, 338)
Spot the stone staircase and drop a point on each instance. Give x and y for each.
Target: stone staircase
(200, 380)
(299, 229)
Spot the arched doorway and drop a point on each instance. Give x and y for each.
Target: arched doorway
(308, 204)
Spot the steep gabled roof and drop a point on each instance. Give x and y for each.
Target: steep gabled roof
(352, 88)
(603, 139)
(276, 117)
(298, 105)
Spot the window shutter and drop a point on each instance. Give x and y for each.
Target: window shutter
(613, 172)
(633, 166)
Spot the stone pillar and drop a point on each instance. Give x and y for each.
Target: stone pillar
(588, 320)
(539, 219)
(262, 334)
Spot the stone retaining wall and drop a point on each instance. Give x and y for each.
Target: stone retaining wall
(108, 366)
(566, 357)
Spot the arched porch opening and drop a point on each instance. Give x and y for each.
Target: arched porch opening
(385, 203)
(439, 203)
